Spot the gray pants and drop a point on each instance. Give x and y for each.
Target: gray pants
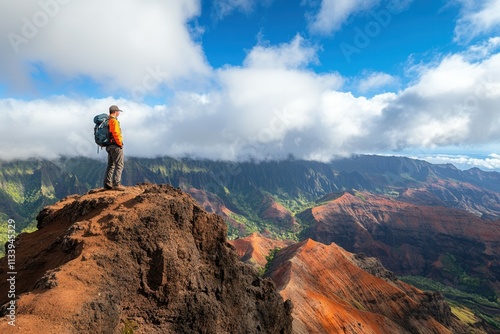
(115, 166)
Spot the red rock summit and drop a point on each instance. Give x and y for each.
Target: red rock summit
(146, 260)
(335, 291)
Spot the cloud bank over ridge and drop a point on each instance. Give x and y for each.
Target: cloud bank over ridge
(271, 106)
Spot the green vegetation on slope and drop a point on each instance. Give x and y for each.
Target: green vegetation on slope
(247, 189)
(463, 304)
(474, 285)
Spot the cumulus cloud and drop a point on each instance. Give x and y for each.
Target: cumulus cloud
(273, 106)
(295, 54)
(257, 106)
(453, 103)
(270, 106)
(131, 46)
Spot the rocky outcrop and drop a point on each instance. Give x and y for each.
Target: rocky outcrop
(147, 260)
(255, 248)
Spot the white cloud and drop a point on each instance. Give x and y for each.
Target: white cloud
(224, 8)
(482, 50)
(375, 81)
(132, 46)
(397, 6)
(334, 13)
(453, 75)
(478, 17)
(452, 104)
(272, 105)
(48, 128)
(490, 162)
(295, 54)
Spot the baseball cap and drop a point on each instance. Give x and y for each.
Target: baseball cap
(114, 108)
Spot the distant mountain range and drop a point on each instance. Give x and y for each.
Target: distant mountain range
(255, 196)
(419, 219)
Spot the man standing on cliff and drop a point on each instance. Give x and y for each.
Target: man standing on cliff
(115, 152)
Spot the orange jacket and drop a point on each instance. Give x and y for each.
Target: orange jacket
(115, 131)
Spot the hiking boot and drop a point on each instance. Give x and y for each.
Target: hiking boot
(119, 187)
(107, 187)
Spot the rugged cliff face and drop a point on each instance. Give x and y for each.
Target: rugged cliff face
(334, 291)
(446, 244)
(147, 260)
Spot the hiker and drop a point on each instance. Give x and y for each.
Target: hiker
(115, 152)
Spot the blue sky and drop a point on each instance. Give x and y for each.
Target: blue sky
(240, 79)
(388, 34)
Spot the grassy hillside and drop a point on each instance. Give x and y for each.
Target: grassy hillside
(470, 308)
